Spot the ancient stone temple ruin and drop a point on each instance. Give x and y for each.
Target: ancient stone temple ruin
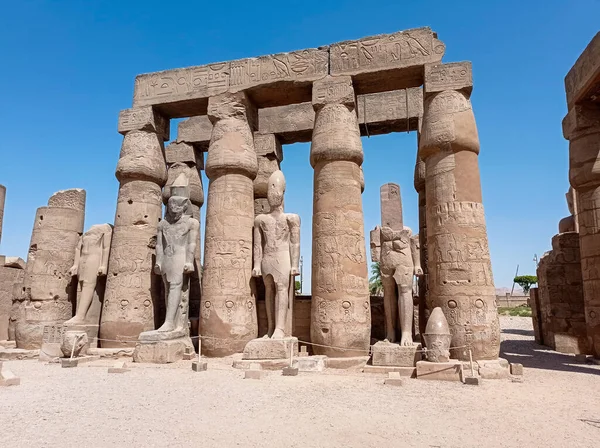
(567, 302)
(241, 115)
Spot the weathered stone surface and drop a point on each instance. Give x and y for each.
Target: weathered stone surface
(228, 309)
(132, 293)
(452, 76)
(493, 369)
(516, 368)
(290, 371)
(199, 366)
(47, 288)
(2, 200)
(536, 314)
(333, 90)
(440, 371)
(11, 274)
(160, 352)
(392, 111)
(266, 348)
(583, 80)
(460, 276)
(340, 314)
(389, 354)
(386, 52)
(269, 155)
(310, 363)
(394, 379)
(352, 362)
(195, 131)
(561, 296)
(144, 119)
(408, 372)
(73, 343)
(7, 378)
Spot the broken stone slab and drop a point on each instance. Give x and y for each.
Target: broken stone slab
(496, 369)
(409, 372)
(391, 354)
(18, 354)
(394, 379)
(440, 371)
(160, 352)
(7, 378)
(74, 362)
(346, 363)
(265, 364)
(307, 363)
(111, 352)
(266, 348)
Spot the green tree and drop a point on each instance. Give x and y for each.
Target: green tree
(375, 285)
(525, 282)
(298, 286)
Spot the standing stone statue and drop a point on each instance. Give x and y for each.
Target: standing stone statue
(91, 262)
(276, 257)
(176, 241)
(393, 246)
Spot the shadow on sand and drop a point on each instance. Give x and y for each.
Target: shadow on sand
(535, 356)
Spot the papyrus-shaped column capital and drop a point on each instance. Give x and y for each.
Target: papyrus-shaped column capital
(144, 119)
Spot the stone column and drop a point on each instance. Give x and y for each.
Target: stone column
(419, 182)
(132, 290)
(340, 310)
(12, 270)
(460, 272)
(2, 198)
(48, 291)
(228, 310)
(581, 127)
(184, 158)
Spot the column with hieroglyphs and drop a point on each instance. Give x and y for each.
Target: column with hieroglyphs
(132, 290)
(419, 182)
(228, 309)
(460, 272)
(340, 309)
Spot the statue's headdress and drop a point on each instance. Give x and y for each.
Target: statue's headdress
(180, 187)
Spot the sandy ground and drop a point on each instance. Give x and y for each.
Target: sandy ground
(558, 405)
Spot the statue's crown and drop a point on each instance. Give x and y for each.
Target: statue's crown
(180, 186)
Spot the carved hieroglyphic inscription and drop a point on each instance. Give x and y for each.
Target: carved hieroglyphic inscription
(143, 118)
(453, 76)
(53, 334)
(386, 51)
(305, 65)
(181, 84)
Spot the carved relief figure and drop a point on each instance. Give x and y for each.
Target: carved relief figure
(91, 261)
(276, 258)
(176, 243)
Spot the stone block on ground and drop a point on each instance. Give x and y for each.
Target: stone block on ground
(394, 379)
(407, 372)
(266, 348)
(254, 373)
(265, 364)
(310, 363)
(119, 367)
(516, 368)
(496, 369)
(68, 362)
(390, 354)
(290, 371)
(189, 353)
(160, 352)
(199, 366)
(7, 378)
(473, 380)
(441, 371)
(18, 354)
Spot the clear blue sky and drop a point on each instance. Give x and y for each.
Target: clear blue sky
(69, 66)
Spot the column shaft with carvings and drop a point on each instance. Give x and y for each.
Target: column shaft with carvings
(184, 158)
(460, 273)
(133, 292)
(581, 127)
(228, 310)
(419, 182)
(340, 309)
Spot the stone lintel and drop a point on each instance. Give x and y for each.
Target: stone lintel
(184, 152)
(581, 118)
(268, 145)
(583, 80)
(333, 90)
(378, 113)
(144, 119)
(452, 76)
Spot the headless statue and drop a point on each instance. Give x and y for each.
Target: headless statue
(568, 224)
(276, 258)
(91, 261)
(176, 243)
(397, 251)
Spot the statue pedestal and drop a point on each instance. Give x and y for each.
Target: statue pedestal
(162, 347)
(390, 354)
(265, 348)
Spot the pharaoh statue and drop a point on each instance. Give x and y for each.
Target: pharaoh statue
(568, 224)
(276, 258)
(393, 246)
(91, 261)
(175, 247)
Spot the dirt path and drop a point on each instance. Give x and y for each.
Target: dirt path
(558, 405)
